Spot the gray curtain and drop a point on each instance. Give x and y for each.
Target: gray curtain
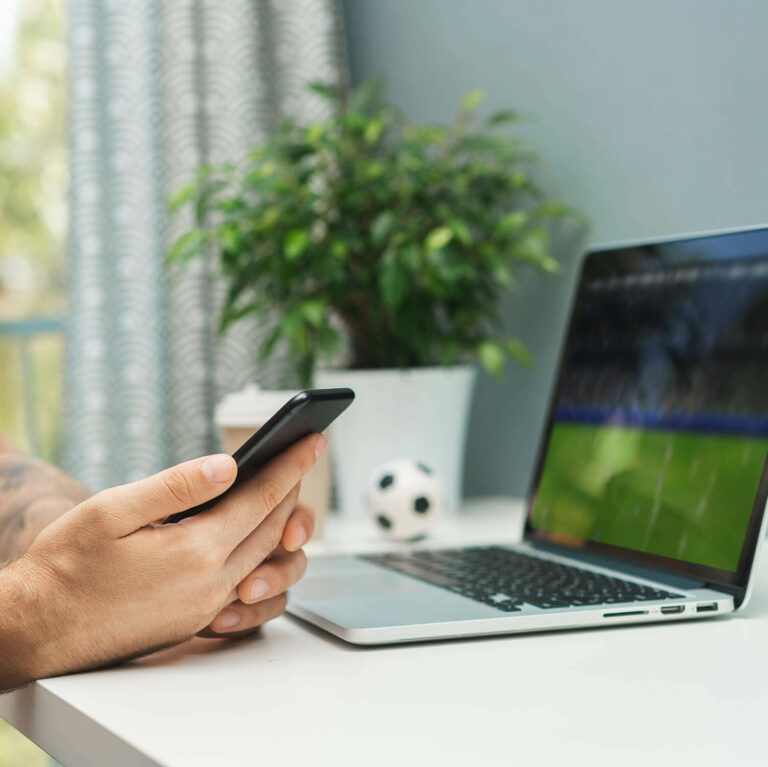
(157, 89)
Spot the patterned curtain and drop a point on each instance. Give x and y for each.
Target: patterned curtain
(158, 88)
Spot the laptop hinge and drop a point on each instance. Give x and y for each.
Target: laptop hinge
(638, 571)
(737, 592)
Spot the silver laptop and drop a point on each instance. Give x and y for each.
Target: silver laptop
(649, 494)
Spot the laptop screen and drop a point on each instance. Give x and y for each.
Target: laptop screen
(658, 432)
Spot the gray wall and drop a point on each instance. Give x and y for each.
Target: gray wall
(651, 116)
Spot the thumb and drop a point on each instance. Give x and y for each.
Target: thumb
(129, 507)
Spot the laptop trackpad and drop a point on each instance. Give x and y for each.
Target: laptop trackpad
(363, 584)
(356, 594)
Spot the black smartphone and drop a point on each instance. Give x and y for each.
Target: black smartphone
(308, 412)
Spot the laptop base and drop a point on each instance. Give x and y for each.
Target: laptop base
(366, 604)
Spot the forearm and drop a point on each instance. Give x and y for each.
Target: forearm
(33, 494)
(20, 609)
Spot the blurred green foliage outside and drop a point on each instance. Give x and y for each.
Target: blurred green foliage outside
(33, 215)
(17, 751)
(33, 206)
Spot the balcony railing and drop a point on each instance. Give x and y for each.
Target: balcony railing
(25, 334)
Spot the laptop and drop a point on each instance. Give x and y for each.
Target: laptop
(650, 486)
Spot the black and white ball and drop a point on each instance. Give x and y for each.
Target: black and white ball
(404, 498)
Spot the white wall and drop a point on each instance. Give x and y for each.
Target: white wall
(651, 116)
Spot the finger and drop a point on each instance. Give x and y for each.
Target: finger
(238, 619)
(245, 508)
(299, 528)
(262, 542)
(130, 507)
(273, 577)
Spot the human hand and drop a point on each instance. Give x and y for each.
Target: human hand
(262, 595)
(105, 582)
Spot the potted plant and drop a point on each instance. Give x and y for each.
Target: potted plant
(387, 245)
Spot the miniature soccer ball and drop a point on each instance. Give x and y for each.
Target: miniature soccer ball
(403, 499)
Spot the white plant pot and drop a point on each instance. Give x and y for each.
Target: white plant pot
(418, 413)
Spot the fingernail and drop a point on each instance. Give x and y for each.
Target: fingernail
(300, 537)
(218, 468)
(320, 445)
(259, 587)
(229, 618)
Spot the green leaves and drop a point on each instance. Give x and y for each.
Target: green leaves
(328, 91)
(207, 181)
(393, 280)
(294, 327)
(373, 131)
(382, 227)
(533, 249)
(189, 245)
(503, 117)
(512, 222)
(296, 242)
(438, 238)
(313, 311)
(492, 357)
(472, 100)
(184, 194)
(403, 236)
(461, 231)
(366, 97)
(519, 351)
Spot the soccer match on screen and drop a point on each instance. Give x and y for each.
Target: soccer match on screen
(659, 466)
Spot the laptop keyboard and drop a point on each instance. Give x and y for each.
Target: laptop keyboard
(508, 579)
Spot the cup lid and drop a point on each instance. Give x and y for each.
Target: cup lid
(251, 406)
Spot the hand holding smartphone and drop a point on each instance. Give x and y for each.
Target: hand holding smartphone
(308, 412)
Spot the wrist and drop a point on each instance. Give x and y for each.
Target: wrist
(24, 656)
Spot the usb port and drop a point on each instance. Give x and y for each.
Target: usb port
(710, 607)
(672, 609)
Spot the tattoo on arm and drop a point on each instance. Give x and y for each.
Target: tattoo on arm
(33, 494)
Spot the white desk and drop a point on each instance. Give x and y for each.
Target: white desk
(686, 693)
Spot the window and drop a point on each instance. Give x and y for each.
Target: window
(33, 217)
